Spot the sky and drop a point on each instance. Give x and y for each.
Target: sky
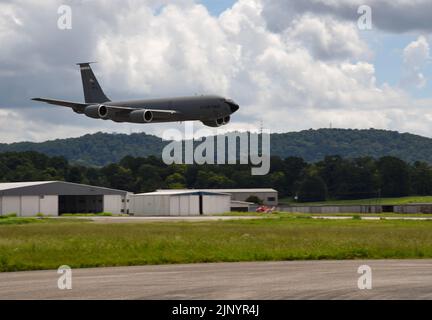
(291, 65)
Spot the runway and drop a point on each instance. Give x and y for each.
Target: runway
(104, 220)
(391, 279)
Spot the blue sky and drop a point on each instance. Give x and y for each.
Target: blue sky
(387, 52)
(388, 60)
(217, 6)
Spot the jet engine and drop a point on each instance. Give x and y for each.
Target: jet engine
(141, 116)
(97, 112)
(218, 122)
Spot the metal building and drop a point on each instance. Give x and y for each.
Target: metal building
(267, 195)
(57, 197)
(179, 203)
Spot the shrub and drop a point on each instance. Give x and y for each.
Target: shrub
(9, 215)
(254, 199)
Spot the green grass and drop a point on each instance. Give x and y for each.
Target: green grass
(373, 201)
(303, 215)
(85, 244)
(102, 214)
(12, 220)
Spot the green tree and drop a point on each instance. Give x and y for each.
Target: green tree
(119, 177)
(74, 175)
(395, 177)
(421, 177)
(147, 179)
(312, 188)
(176, 181)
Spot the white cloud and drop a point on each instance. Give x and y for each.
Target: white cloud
(176, 52)
(397, 16)
(415, 57)
(327, 38)
(313, 71)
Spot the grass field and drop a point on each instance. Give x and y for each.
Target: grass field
(305, 215)
(49, 243)
(381, 201)
(12, 220)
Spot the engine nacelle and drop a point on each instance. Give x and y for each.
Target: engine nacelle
(218, 122)
(76, 110)
(141, 116)
(97, 112)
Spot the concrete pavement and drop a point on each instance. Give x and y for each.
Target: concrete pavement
(391, 279)
(108, 219)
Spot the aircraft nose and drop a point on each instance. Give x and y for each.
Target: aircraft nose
(233, 106)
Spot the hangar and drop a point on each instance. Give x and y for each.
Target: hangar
(179, 203)
(267, 195)
(58, 197)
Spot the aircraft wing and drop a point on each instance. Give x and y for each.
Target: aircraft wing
(74, 105)
(159, 114)
(162, 113)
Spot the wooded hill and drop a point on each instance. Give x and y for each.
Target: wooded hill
(101, 149)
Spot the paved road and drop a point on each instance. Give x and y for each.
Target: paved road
(114, 219)
(101, 219)
(391, 279)
(109, 219)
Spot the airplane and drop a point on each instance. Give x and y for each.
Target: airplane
(213, 111)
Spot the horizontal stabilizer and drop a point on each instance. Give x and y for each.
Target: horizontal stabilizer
(69, 104)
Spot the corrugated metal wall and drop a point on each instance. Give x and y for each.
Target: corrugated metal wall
(113, 204)
(184, 205)
(141, 205)
(216, 204)
(28, 206)
(178, 205)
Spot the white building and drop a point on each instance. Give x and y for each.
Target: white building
(57, 197)
(267, 195)
(179, 203)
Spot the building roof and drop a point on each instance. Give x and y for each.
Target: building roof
(256, 190)
(53, 188)
(181, 192)
(14, 185)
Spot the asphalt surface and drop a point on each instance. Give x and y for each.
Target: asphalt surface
(108, 219)
(114, 219)
(391, 279)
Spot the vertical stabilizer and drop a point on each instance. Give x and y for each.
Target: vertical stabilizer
(93, 92)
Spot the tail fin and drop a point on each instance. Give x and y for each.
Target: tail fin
(93, 92)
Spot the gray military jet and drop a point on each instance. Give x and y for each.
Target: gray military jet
(212, 111)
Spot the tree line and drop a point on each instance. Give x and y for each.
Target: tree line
(101, 149)
(333, 177)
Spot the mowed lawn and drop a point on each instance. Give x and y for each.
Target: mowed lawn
(49, 244)
(372, 201)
